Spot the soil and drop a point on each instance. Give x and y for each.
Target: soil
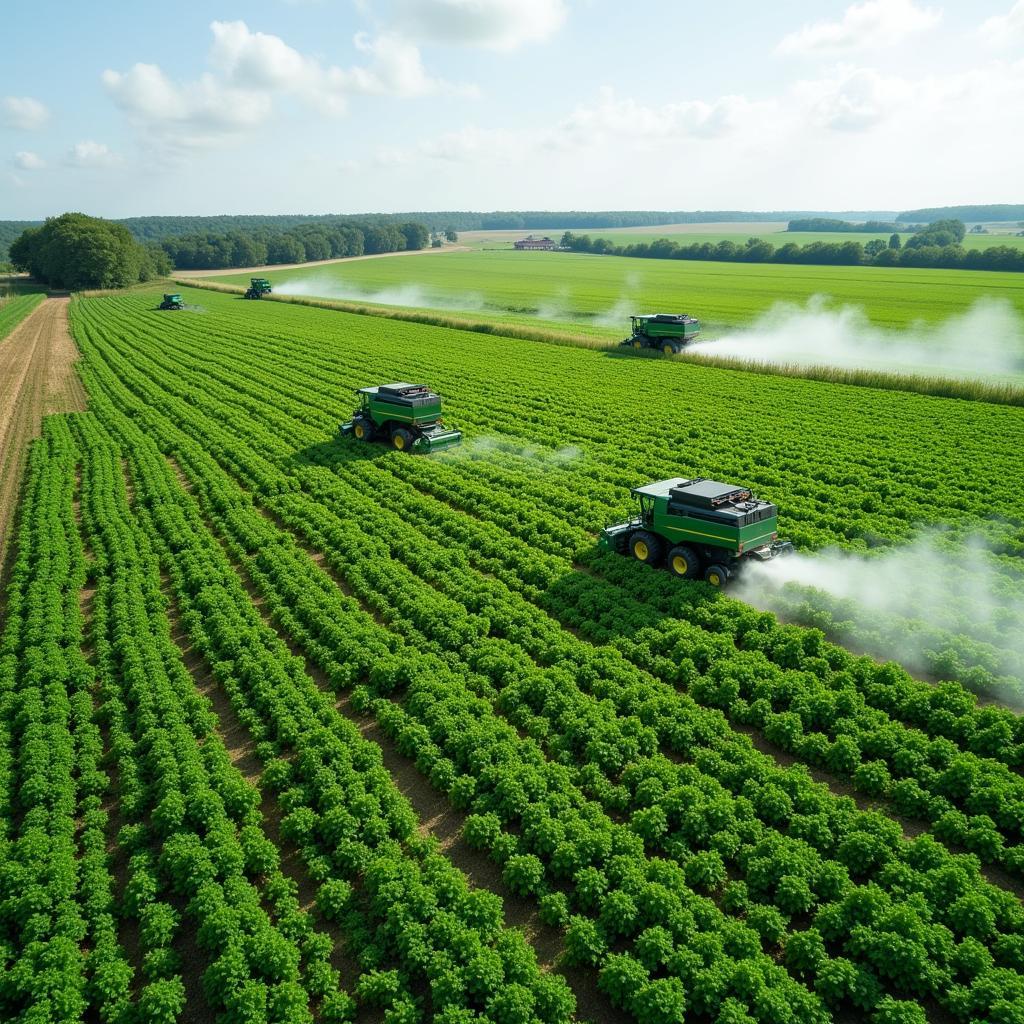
(37, 377)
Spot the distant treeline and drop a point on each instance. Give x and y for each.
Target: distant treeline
(873, 227)
(995, 212)
(936, 245)
(297, 244)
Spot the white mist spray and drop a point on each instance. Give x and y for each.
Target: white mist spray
(411, 296)
(929, 605)
(985, 341)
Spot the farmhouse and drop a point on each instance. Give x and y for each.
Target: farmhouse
(529, 242)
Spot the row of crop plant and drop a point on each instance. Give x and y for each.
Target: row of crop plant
(230, 427)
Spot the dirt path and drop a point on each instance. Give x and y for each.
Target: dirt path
(37, 377)
(179, 274)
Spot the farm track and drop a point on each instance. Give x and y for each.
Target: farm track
(436, 815)
(37, 377)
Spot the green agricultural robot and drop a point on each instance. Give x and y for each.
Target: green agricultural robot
(698, 529)
(669, 332)
(407, 416)
(258, 287)
(174, 301)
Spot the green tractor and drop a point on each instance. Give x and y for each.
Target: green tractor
(258, 287)
(174, 301)
(670, 332)
(698, 529)
(407, 416)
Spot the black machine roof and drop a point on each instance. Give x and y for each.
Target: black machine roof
(708, 493)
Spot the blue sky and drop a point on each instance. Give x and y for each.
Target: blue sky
(277, 106)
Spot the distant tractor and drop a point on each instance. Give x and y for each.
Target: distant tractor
(670, 332)
(258, 287)
(407, 416)
(698, 529)
(174, 301)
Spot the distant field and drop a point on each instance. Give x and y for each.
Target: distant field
(596, 294)
(774, 231)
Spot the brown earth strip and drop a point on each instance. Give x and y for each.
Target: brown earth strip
(37, 377)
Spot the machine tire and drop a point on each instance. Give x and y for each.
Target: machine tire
(717, 574)
(401, 439)
(637, 344)
(685, 562)
(362, 430)
(669, 349)
(646, 547)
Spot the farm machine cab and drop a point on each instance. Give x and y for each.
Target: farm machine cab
(407, 416)
(258, 287)
(669, 332)
(698, 529)
(172, 302)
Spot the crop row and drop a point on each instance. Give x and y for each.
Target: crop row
(15, 308)
(220, 429)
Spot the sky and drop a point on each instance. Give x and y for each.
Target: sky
(348, 106)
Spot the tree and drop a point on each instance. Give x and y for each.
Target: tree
(451, 234)
(416, 235)
(877, 246)
(894, 241)
(76, 251)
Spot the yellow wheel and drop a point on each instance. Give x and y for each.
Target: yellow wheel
(402, 440)
(638, 344)
(646, 547)
(717, 575)
(684, 561)
(361, 432)
(669, 350)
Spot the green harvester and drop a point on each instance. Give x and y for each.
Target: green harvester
(258, 287)
(698, 529)
(174, 301)
(406, 416)
(669, 332)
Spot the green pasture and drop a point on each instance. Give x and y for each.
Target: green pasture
(596, 294)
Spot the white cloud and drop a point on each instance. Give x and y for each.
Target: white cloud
(92, 154)
(29, 161)
(196, 113)
(871, 24)
(490, 24)
(1005, 30)
(249, 70)
(854, 99)
(614, 117)
(24, 112)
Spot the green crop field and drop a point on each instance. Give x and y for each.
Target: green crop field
(685, 234)
(298, 728)
(14, 308)
(597, 293)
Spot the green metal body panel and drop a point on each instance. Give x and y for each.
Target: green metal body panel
(681, 529)
(411, 407)
(174, 301)
(717, 524)
(683, 328)
(381, 411)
